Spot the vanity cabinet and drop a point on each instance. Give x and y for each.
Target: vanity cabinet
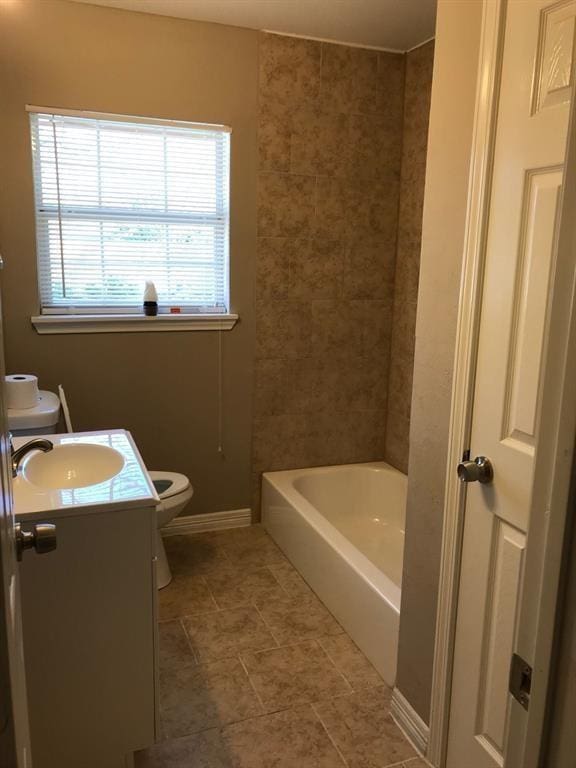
(89, 621)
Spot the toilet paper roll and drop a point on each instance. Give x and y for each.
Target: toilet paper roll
(21, 391)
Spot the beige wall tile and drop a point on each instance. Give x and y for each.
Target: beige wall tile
(376, 146)
(337, 85)
(274, 133)
(373, 208)
(282, 329)
(369, 267)
(316, 268)
(358, 81)
(289, 70)
(320, 385)
(415, 137)
(272, 267)
(281, 441)
(273, 385)
(320, 143)
(368, 430)
(333, 201)
(285, 205)
(330, 159)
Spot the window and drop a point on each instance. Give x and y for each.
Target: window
(121, 200)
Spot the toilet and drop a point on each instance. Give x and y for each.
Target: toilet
(175, 492)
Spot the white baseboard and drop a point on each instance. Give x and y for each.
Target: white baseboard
(212, 521)
(410, 722)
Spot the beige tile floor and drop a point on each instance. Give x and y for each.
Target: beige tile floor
(256, 673)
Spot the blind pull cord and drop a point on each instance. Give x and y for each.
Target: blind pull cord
(220, 398)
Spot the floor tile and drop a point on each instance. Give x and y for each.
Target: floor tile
(350, 660)
(235, 586)
(258, 551)
(294, 674)
(239, 536)
(297, 618)
(290, 580)
(195, 698)
(363, 730)
(175, 650)
(293, 738)
(202, 750)
(227, 633)
(315, 702)
(194, 554)
(185, 596)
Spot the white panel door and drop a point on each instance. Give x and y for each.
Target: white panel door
(532, 121)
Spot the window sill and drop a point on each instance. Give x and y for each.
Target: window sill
(50, 324)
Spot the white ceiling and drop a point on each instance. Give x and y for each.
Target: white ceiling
(393, 24)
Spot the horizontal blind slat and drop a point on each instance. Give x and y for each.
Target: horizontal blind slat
(120, 202)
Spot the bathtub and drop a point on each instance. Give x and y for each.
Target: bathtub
(343, 529)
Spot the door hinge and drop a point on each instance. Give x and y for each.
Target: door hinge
(520, 680)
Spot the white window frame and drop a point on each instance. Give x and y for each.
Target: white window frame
(102, 319)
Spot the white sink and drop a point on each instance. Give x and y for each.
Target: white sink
(75, 465)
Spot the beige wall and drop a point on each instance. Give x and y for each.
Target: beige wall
(449, 147)
(330, 150)
(417, 92)
(161, 386)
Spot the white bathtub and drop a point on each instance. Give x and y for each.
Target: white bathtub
(343, 529)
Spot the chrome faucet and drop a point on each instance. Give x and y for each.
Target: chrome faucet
(37, 444)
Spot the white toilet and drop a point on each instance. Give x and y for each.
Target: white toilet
(175, 492)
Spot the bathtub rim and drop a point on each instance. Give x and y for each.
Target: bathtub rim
(377, 580)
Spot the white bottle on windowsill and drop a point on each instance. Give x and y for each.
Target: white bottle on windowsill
(150, 299)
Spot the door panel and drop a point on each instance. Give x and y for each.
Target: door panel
(542, 188)
(530, 141)
(506, 568)
(554, 56)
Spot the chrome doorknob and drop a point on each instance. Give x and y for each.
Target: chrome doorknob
(42, 538)
(480, 470)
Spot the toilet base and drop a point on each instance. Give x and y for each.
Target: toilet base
(163, 572)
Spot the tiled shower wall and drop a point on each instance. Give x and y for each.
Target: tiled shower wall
(418, 86)
(330, 146)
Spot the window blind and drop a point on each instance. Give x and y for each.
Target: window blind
(121, 201)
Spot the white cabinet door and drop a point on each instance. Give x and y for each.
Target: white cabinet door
(14, 732)
(88, 611)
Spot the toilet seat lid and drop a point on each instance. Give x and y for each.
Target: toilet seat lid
(178, 483)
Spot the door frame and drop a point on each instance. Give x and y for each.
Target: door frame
(553, 460)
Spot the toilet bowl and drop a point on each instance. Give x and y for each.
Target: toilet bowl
(175, 492)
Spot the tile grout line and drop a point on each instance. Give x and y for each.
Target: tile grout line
(251, 684)
(189, 642)
(327, 732)
(326, 654)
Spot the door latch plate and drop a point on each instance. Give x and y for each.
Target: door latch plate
(520, 680)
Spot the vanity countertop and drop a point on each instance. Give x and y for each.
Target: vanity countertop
(129, 487)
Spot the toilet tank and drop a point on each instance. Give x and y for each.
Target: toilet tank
(40, 420)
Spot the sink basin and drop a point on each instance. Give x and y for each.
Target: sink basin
(74, 465)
